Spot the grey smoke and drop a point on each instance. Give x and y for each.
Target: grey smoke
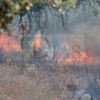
(82, 23)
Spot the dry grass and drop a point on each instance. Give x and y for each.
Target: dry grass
(47, 80)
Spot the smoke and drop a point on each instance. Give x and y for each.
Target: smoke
(82, 23)
(91, 32)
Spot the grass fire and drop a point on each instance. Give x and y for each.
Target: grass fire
(49, 50)
(74, 74)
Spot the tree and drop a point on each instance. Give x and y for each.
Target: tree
(9, 8)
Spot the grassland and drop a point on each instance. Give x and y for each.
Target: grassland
(43, 79)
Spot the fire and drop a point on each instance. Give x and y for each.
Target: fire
(74, 55)
(86, 56)
(8, 43)
(83, 56)
(36, 41)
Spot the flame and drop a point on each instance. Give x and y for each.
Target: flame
(69, 58)
(74, 55)
(86, 56)
(36, 40)
(8, 43)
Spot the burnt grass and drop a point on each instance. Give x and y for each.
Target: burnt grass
(44, 79)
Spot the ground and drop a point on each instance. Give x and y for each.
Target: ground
(47, 80)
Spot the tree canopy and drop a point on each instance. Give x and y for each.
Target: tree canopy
(9, 8)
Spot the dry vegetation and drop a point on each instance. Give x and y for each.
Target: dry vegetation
(46, 80)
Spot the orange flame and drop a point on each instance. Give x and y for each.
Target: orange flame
(74, 56)
(36, 40)
(69, 59)
(86, 56)
(8, 43)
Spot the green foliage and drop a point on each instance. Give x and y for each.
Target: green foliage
(96, 11)
(9, 8)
